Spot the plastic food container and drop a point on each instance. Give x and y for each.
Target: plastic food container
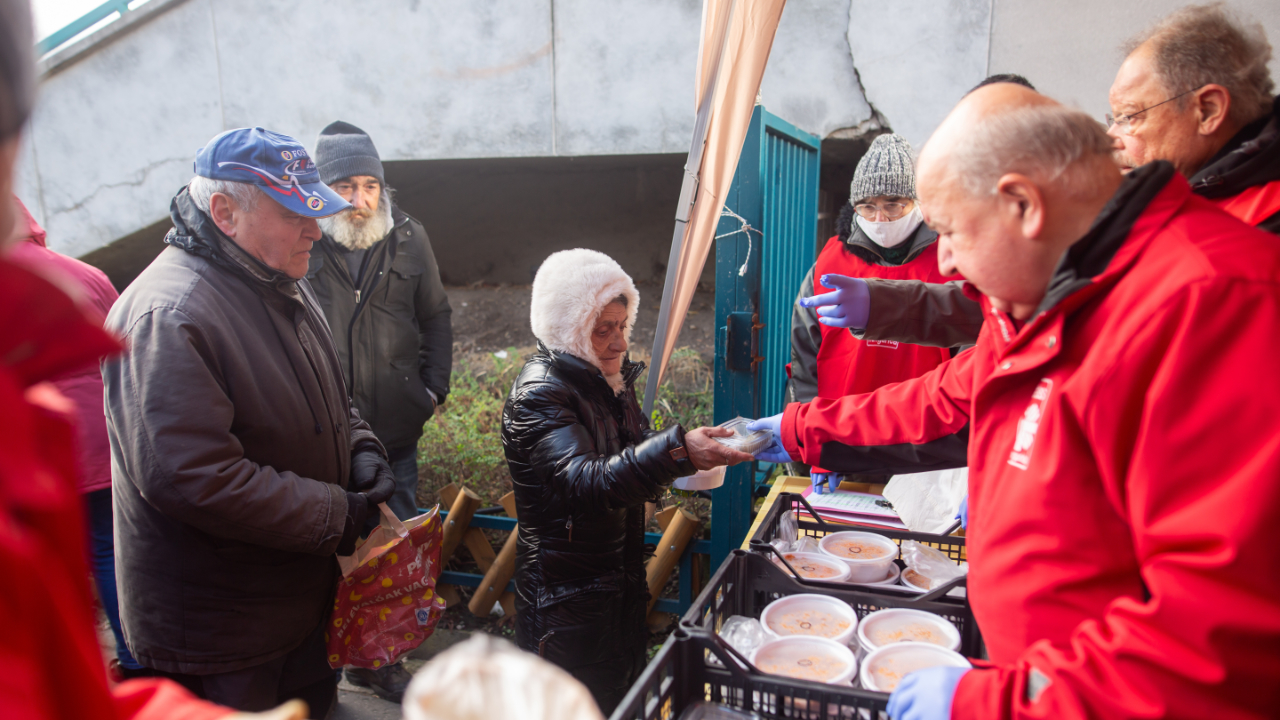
(807, 658)
(868, 555)
(897, 625)
(815, 566)
(744, 440)
(895, 573)
(883, 669)
(810, 615)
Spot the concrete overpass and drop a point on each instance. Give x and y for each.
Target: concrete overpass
(513, 128)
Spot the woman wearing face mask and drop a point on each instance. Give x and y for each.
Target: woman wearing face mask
(880, 234)
(584, 461)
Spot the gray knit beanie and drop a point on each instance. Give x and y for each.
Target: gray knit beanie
(886, 169)
(344, 150)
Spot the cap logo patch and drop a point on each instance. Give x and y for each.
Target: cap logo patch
(286, 155)
(287, 185)
(315, 203)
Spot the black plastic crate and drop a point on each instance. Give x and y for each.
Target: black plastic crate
(952, 545)
(680, 675)
(747, 582)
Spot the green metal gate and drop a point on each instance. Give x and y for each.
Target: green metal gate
(764, 246)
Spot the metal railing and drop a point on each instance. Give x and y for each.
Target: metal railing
(84, 22)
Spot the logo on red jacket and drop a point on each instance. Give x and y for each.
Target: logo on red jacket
(1029, 425)
(891, 344)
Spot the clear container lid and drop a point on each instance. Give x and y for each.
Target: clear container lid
(807, 658)
(896, 625)
(884, 668)
(744, 440)
(812, 566)
(809, 614)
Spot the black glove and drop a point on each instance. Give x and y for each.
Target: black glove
(357, 511)
(371, 475)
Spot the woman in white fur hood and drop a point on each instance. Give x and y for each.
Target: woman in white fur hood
(584, 461)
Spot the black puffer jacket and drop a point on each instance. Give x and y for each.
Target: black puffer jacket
(584, 462)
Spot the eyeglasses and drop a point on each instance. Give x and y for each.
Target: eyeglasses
(891, 210)
(1125, 122)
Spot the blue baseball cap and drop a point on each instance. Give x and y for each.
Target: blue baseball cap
(276, 163)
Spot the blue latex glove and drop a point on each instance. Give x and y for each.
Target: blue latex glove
(774, 452)
(926, 694)
(848, 307)
(831, 480)
(963, 514)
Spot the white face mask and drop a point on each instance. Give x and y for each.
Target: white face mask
(895, 232)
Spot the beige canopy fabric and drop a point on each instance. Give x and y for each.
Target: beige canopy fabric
(737, 36)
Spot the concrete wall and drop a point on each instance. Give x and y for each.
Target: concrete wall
(121, 116)
(122, 113)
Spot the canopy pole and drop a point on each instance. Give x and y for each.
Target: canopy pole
(684, 210)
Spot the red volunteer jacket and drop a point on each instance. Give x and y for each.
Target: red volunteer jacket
(848, 365)
(1124, 452)
(51, 666)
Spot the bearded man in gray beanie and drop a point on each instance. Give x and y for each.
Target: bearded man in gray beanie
(880, 234)
(377, 280)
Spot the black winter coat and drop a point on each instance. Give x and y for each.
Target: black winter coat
(584, 462)
(393, 333)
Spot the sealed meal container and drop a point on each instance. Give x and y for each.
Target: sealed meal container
(814, 659)
(816, 566)
(896, 625)
(884, 668)
(868, 555)
(812, 615)
(744, 440)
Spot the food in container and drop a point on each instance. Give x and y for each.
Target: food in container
(807, 658)
(885, 667)
(809, 614)
(815, 566)
(896, 625)
(868, 555)
(744, 440)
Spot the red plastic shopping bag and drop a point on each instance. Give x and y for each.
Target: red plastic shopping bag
(386, 603)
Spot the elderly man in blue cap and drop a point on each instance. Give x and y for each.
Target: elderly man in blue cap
(239, 467)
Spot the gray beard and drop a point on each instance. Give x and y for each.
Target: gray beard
(359, 236)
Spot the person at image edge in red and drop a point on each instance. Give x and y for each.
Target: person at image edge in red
(1123, 444)
(51, 665)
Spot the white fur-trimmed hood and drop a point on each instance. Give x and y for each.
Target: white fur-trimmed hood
(569, 291)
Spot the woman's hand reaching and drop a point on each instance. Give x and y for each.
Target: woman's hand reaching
(705, 453)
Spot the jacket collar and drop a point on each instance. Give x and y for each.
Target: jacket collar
(1250, 158)
(43, 333)
(196, 233)
(588, 373)
(1091, 256)
(857, 242)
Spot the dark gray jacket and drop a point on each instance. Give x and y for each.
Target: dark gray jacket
(393, 333)
(231, 440)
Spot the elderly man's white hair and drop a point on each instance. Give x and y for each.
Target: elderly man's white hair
(201, 190)
(486, 677)
(1202, 44)
(1045, 142)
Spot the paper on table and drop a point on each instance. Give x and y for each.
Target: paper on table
(928, 501)
(849, 502)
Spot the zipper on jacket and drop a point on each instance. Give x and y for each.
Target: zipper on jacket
(357, 296)
(569, 526)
